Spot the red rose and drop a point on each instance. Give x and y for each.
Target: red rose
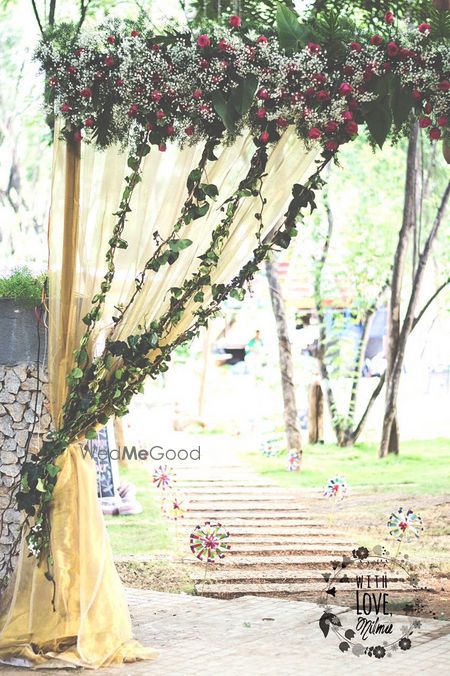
(349, 70)
(86, 93)
(320, 78)
(189, 131)
(310, 91)
(435, 134)
(314, 133)
(313, 47)
(389, 17)
(444, 86)
(65, 108)
(53, 81)
(89, 122)
(203, 40)
(392, 49)
(345, 89)
(331, 146)
(352, 104)
(424, 28)
(197, 94)
(149, 126)
(223, 46)
(156, 96)
(77, 136)
(424, 122)
(368, 74)
(111, 39)
(376, 40)
(263, 94)
(204, 63)
(355, 46)
(347, 115)
(156, 48)
(235, 21)
(119, 83)
(351, 127)
(133, 110)
(162, 147)
(134, 34)
(331, 127)
(322, 96)
(160, 115)
(281, 122)
(428, 108)
(170, 131)
(71, 70)
(264, 137)
(109, 60)
(261, 113)
(416, 95)
(443, 121)
(262, 39)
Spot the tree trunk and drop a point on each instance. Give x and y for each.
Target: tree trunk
(315, 414)
(286, 365)
(409, 217)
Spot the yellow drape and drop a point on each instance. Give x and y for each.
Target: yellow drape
(91, 626)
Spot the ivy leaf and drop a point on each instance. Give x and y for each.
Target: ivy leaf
(210, 189)
(76, 373)
(193, 177)
(91, 434)
(53, 470)
(239, 294)
(40, 486)
(179, 244)
(289, 29)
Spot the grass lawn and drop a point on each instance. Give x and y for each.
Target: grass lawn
(422, 467)
(146, 533)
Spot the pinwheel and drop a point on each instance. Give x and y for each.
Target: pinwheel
(404, 525)
(174, 505)
(336, 488)
(164, 477)
(208, 542)
(294, 460)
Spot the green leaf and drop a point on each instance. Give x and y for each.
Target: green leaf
(289, 29)
(179, 244)
(53, 470)
(103, 418)
(378, 118)
(91, 434)
(40, 486)
(239, 294)
(210, 189)
(242, 96)
(401, 102)
(224, 110)
(193, 177)
(118, 374)
(76, 373)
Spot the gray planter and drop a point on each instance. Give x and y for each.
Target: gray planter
(19, 334)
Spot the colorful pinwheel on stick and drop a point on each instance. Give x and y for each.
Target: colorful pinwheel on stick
(174, 505)
(164, 477)
(208, 542)
(336, 488)
(404, 526)
(294, 459)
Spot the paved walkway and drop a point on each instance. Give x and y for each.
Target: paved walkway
(251, 636)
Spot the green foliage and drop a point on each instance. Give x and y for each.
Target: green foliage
(392, 106)
(258, 14)
(238, 103)
(440, 24)
(23, 286)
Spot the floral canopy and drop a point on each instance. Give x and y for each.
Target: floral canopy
(181, 160)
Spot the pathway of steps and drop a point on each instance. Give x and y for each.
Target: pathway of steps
(278, 548)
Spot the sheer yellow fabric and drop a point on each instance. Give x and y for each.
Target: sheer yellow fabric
(91, 626)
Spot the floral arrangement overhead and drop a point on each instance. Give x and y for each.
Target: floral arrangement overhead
(113, 83)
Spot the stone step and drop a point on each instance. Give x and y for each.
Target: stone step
(259, 502)
(236, 522)
(280, 588)
(279, 511)
(280, 574)
(248, 527)
(243, 549)
(310, 560)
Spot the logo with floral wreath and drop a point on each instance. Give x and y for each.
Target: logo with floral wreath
(371, 631)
